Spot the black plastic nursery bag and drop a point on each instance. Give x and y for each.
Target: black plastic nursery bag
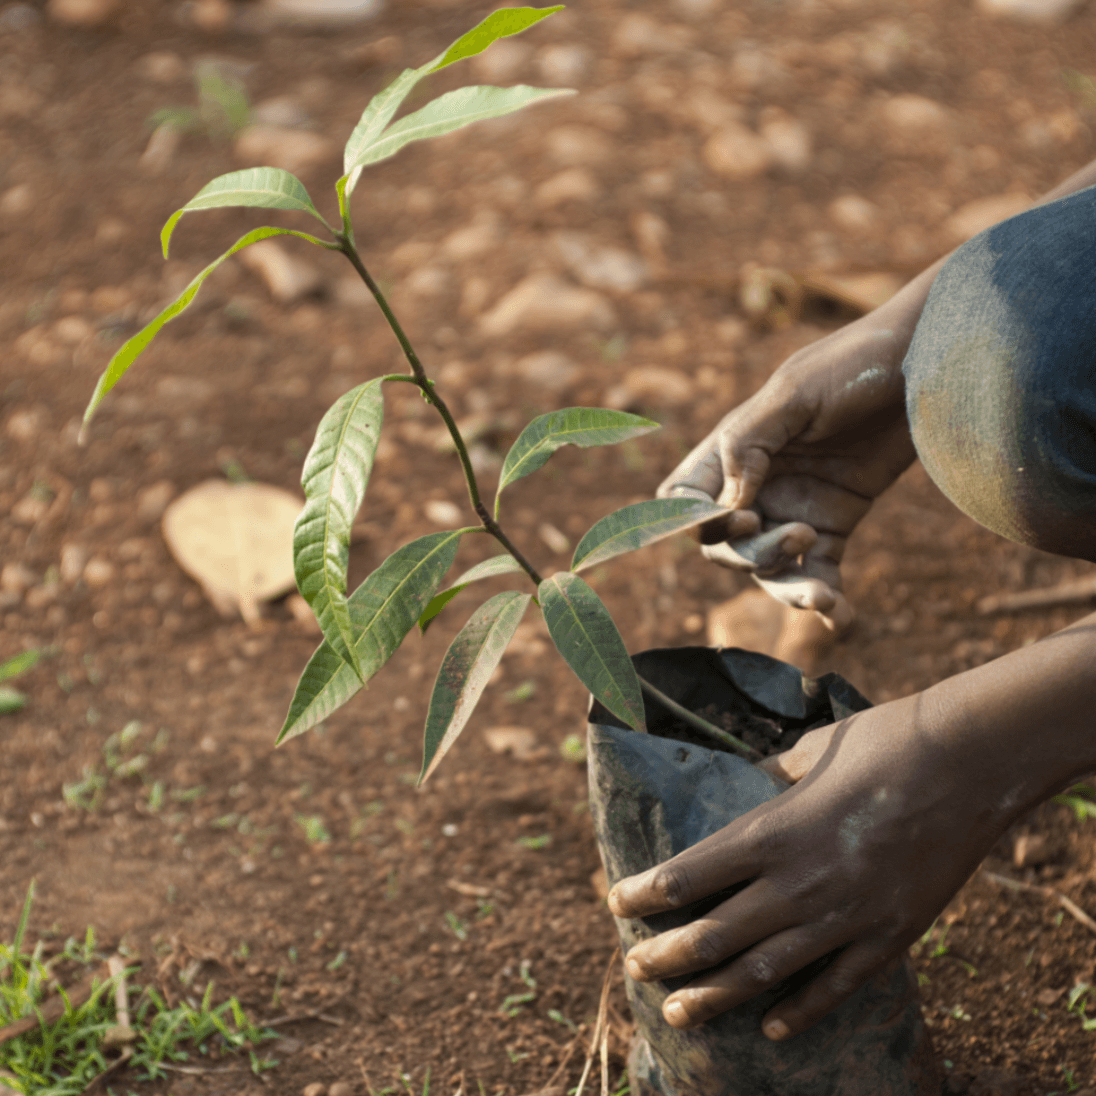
(652, 796)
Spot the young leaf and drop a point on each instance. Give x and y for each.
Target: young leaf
(377, 114)
(130, 350)
(336, 472)
(499, 24)
(581, 426)
(465, 670)
(489, 568)
(382, 108)
(453, 111)
(584, 633)
(11, 700)
(257, 187)
(384, 608)
(640, 524)
(29, 659)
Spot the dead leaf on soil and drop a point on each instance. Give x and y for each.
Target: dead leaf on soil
(236, 540)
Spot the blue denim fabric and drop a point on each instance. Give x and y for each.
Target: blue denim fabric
(1001, 378)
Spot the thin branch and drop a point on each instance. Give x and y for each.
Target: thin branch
(493, 527)
(426, 385)
(700, 723)
(1067, 904)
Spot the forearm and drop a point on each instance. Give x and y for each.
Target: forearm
(1024, 725)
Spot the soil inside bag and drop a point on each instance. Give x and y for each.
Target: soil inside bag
(654, 795)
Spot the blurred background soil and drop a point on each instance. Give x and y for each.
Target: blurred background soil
(827, 138)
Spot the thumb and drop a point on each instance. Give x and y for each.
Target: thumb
(794, 764)
(751, 435)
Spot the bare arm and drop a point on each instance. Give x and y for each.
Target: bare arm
(804, 457)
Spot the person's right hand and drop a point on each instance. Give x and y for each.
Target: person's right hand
(801, 462)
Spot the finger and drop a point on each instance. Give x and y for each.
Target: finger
(744, 471)
(794, 764)
(833, 987)
(732, 525)
(709, 866)
(751, 973)
(701, 471)
(796, 588)
(734, 925)
(767, 552)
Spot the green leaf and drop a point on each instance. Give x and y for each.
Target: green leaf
(11, 700)
(581, 426)
(19, 664)
(131, 349)
(379, 112)
(489, 568)
(584, 633)
(383, 106)
(499, 24)
(384, 607)
(638, 525)
(336, 472)
(257, 188)
(465, 671)
(453, 111)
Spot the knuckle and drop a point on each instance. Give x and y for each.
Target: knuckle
(671, 884)
(705, 947)
(757, 970)
(838, 984)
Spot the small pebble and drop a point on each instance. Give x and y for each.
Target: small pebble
(441, 512)
(286, 276)
(317, 1088)
(542, 302)
(81, 13)
(294, 150)
(1029, 850)
(98, 571)
(736, 152)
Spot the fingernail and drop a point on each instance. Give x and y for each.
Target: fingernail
(675, 1014)
(776, 1030)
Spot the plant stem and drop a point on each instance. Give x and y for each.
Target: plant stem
(700, 723)
(426, 386)
(490, 523)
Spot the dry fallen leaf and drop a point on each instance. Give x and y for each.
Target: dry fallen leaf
(236, 540)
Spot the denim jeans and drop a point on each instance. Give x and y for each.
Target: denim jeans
(1001, 378)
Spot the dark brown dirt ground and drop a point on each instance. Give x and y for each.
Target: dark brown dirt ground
(359, 927)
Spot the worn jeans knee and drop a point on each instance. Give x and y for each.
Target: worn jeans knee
(1001, 378)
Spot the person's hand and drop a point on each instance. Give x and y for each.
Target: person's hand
(888, 819)
(801, 461)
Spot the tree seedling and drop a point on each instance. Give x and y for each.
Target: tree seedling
(363, 629)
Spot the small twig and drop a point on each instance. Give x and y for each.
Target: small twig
(563, 1062)
(197, 1070)
(1066, 593)
(1067, 904)
(602, 1012)
(699, 723)
(300, 1017)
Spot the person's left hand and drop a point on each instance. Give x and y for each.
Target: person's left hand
(887, 821)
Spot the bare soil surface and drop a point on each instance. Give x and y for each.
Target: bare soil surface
(389, 925)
